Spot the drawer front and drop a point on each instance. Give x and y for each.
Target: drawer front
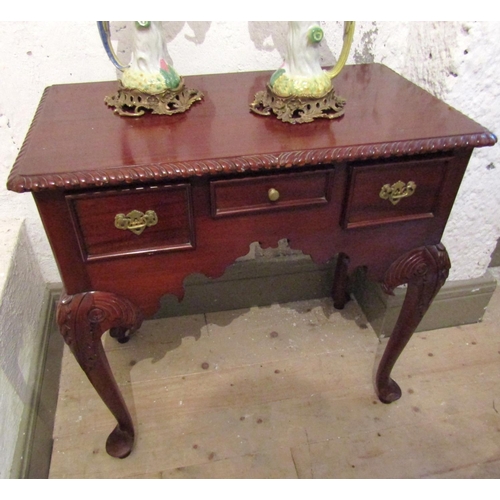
(136, 221)
(395, 192)
(268, 193)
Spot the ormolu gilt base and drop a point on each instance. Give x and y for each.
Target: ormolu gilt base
(131, 102)
(298, 109)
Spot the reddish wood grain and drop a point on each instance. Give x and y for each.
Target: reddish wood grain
(82, 319)
(221, 136)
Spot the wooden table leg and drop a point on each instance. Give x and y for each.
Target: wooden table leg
(425, 270)
(340, 280)
(82, 319)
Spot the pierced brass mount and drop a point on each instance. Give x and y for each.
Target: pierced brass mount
(298, 109)
(136, 221)
(132, 102)
(397, 191)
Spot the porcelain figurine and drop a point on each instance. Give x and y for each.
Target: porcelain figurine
(301, 90)
(148, 82)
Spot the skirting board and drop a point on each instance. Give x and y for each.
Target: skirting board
(248, 283)
(457, 303)
(34, 443)
(293, 278)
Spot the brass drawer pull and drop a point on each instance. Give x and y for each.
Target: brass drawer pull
(136, 221)
(397, 191)
(273, 194)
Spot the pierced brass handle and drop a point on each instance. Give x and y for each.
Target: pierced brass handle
(273, 194)
(397, 191)
(136, 221)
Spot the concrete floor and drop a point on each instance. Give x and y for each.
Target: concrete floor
(286, 391)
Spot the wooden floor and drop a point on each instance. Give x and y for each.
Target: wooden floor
(287, 392)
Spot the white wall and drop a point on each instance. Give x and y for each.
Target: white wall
(458, 62)
(22, 295)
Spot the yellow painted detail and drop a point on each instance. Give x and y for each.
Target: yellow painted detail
(303, 86)
(150, 83)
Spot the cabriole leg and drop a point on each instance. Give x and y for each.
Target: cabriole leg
(82, 320)
(425, 270)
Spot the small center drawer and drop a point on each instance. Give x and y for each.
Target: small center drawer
(133, 221)
(268, 193)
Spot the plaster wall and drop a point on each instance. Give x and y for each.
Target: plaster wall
(22, 296)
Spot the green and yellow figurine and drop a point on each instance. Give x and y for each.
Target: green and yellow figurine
(301, 90)
(148, 82)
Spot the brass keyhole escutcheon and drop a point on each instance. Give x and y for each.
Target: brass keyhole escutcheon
(273, 194)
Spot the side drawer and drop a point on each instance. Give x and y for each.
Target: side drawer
(268, 193)
(133, 221)
(395, 192)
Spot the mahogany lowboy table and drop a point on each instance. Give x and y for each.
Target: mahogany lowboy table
(132, 206)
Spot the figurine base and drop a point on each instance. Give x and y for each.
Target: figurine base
(132, 102)
(296, 109)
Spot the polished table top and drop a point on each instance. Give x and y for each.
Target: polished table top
(221, 135)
